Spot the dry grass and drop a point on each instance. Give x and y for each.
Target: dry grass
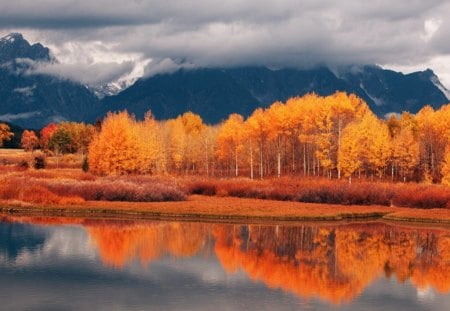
(65, 161)
(231, 208)
(12, 156)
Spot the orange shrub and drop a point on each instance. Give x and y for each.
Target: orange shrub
(421, 196)
(40, 195)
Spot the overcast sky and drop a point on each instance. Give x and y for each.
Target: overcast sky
(98, 41)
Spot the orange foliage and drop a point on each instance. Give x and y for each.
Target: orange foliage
(46, 134)
(5, 133)
(29, 140)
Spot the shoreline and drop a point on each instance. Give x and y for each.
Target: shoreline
(229, 209)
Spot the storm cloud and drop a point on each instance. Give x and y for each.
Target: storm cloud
(154, 35)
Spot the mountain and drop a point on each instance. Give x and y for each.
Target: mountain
(212, 93)
(33, 100)
(215, 93)
(387, 91)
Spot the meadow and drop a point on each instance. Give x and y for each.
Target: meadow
(64, 185)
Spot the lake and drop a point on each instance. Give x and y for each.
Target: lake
(94, 264)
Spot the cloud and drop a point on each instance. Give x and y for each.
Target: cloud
(25, 91)
(90, 74)
(166, 65)
(284, 33)
(9, 117)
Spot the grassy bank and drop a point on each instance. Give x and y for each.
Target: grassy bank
(199, 207)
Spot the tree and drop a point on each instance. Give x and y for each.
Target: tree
(374, 140)
(61, 141)
(229, 140)
(324, 137)
(349, 154)
(433, 132)
(151, 157)
(176, 141)
(257, 129)
(344, 108)
(46, 134)
(404, 145)
(5, 133)
(278, 118)
(446, 169)
(193, 128)
(29, 140)
(113, 151)
(80, 136)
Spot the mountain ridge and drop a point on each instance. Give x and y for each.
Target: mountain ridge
(247, 88)
(31, 99)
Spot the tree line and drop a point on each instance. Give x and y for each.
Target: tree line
(336, 136)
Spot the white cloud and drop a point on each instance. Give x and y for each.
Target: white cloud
(9, 117)
(431, 26)
(89, 74)
(25, 91)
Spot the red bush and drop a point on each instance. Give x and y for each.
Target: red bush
(320, 190)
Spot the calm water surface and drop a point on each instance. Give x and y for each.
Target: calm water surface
(81, 264)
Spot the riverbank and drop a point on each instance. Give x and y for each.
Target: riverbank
(199, 207)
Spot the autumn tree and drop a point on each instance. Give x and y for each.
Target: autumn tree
(113, 150)
(277, 116)
(193, 127)
(404, 145)
(150, 151)
(61, 141)
(208, 139)
(344, 109)
(80, 136)
(375, 140)
(5, 133)
(46, 134)
(446, 169)
(349, 154)
(258, 130)
(324, 138)
(432, 142)
(229, 141)
(29, 140)
(176, 142)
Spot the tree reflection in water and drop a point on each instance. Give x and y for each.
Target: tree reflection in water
(334, 262)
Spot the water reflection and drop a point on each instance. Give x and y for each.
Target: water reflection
(334, 262)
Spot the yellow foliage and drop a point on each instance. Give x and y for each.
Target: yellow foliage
(446, 169)
(124, 146)
(5, 133)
